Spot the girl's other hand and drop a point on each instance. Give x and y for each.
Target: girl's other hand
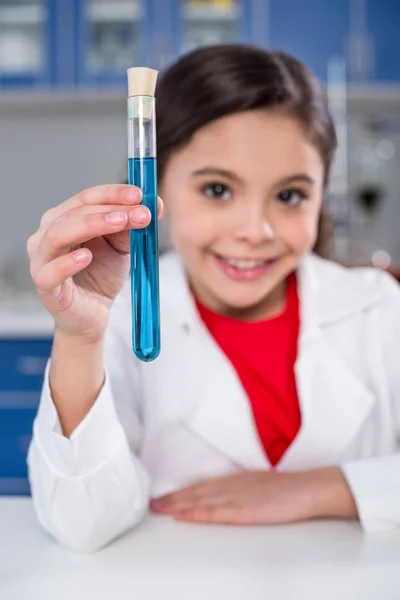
(262, 497)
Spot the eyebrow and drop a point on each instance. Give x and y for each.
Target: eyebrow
(293, 178)
(231, 175)
(216, 171)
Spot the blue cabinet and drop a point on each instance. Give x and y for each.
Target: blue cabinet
(15, 437)
(110, 39)
(383, 23)
(365, 32)
(22, 365)
(116, 34)
(24, 43)
(86, 43)
(312, 30)
(38, 43)
(80, 43)
(179, 26)
(204, 24)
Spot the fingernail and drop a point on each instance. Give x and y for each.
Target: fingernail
(139, 214)
(130, 194)
(116, 218)
(81, 255)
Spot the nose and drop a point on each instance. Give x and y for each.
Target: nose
(254, 227)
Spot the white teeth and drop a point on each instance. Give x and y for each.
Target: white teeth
(245, 264)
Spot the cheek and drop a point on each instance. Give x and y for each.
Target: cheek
(300, 234)
(191, 229)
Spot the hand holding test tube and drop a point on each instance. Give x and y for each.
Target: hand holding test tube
(142, 172)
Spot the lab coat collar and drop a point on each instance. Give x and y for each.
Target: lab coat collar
(334, 402)
(329, 293)
(326, 292)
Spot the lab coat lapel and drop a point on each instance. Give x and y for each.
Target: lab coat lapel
(221, 412)
(215, 407)
(334, 402)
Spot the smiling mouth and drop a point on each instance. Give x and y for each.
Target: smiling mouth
(246, 264)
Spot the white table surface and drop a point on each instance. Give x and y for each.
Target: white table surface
(165, 560)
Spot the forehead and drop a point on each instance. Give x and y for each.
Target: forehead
(252, 141)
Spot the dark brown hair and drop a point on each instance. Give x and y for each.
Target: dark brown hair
(217, 81)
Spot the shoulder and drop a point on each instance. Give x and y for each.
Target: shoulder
(340, 290)
(364, 279)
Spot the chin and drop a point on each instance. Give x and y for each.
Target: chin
(235, 299)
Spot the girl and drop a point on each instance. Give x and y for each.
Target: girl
(276, 397)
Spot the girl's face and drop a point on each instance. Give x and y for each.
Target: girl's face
(243, 199)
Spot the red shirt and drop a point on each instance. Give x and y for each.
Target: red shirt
(263, 354)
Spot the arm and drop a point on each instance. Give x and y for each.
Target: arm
(88, 485)
(375, 482)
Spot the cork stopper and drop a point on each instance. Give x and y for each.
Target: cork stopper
(141, 81)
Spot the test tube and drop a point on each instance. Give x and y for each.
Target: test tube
(142, 172)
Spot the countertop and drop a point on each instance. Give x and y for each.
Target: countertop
(165, 560)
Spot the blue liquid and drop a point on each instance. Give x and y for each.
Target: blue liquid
(142, 172)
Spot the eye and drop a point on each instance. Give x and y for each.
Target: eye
(292, 197)
(219, 191)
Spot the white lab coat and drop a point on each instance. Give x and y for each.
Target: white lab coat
(185, 417)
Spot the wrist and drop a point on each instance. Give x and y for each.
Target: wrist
(76, 377)
(329, 494)
(80, 342)
(71, 354)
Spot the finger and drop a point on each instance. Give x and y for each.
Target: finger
(189, 504)
(97, 208)
(195, 489)
(51, 276)
(190, 497)
(32, 243)
(68, 232)
(228, 514)
(169, 500)
(98, 195)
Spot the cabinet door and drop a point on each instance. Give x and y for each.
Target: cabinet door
(312, 30)
(22, 365)
(207, 22)
(24, 43)
(15, 436)
(111, 39)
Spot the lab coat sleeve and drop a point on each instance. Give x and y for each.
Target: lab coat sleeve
(375, 482)
(90, 488)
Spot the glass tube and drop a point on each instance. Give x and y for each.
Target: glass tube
(142, 172)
